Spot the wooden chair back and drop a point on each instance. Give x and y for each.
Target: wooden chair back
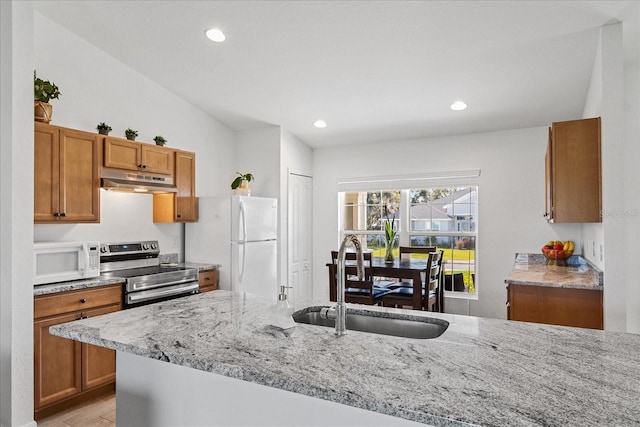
(406, 251)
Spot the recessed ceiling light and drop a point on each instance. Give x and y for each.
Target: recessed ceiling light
(458, 106)
(215, 34)
(320, 124)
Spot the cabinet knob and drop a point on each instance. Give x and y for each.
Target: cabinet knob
(144, 166)
(56, 214)
(207, 278)
(83, 300)
(508, 304)
(82, 316)
(63, 214)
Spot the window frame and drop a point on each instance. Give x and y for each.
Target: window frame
(405, 185)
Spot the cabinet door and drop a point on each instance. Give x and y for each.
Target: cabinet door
(46, 173)
(576, 183)
(98, 363)
(208, 280)
(122, 154)
(186, 204)
(79, 179)
(157, 159)
(57, 372)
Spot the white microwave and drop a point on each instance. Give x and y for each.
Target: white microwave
(65, 261)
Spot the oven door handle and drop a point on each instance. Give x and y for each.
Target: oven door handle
(142, 286)
(143, 296)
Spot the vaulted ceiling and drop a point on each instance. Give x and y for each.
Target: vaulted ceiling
(373, 70)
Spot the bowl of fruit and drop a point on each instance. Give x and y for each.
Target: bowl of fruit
(557, 251)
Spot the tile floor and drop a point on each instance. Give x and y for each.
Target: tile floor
(99, 412)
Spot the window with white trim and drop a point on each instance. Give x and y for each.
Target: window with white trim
(439, 211)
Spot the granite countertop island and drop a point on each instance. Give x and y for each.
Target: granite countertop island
(481, 371)
(532, 270)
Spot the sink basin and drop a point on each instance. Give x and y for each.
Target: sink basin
(378, 323)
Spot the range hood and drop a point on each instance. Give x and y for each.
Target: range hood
(136, 182)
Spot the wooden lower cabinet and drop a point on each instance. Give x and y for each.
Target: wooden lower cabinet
(208, 280)
(555, 306)
(66, 371)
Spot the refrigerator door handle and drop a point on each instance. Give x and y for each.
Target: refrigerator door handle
(241, 275)
(243, 223)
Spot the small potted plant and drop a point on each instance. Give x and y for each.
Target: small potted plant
(241, 181)
(159, 139)
(131, 134)
(103, 128)
(43, 92)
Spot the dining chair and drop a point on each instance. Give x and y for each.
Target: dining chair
(378, 282)
(356, 291)
(405, 253)
(431, 291)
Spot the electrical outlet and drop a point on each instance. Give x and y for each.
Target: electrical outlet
(593, 249)
(176, 242)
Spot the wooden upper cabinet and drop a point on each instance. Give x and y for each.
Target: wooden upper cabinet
(124, 154)
(573, 172)
(182, 206)
(66, 179)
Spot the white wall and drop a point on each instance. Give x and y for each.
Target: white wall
(259, 154)
(607, 243)
(511, 200)
(16, 213)
(96, 87)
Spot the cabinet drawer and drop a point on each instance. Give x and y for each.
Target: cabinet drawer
(66, 302)
(208, 280)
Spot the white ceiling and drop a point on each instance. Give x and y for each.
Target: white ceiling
(373, 70)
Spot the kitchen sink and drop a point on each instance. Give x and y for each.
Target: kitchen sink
(378, 323)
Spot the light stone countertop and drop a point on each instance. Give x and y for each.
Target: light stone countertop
(487, 372)
(74, 285)
(531, 270)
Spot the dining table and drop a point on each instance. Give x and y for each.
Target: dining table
(398, 269)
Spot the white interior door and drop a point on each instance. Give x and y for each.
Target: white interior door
(299, 237)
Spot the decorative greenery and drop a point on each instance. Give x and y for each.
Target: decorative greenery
(159, 139)
(44, 90)
(241, 177)
(389, 232)
(103, 128)
(130, 133)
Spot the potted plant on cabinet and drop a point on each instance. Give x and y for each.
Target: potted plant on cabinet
(159, 139)
(242, 182)
(43, 92)
(103, 128)
(131, 134)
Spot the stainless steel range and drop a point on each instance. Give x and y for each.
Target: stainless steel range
(147, 280)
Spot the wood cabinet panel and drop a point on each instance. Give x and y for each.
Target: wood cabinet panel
(122, 154)
(67, 371)
(158, 159)
(182, 206)
(81, 300)
(136, 156)
(57, 368)
(208, 280)
(98, 363)
(556, 306)
(573, 172)
(66, 180)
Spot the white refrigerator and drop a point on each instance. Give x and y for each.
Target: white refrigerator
(241, 234)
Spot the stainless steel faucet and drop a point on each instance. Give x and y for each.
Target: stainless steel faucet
(339, 312)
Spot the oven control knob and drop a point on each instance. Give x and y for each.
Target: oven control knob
(145, 246)
(103, 249)
(154, 246)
